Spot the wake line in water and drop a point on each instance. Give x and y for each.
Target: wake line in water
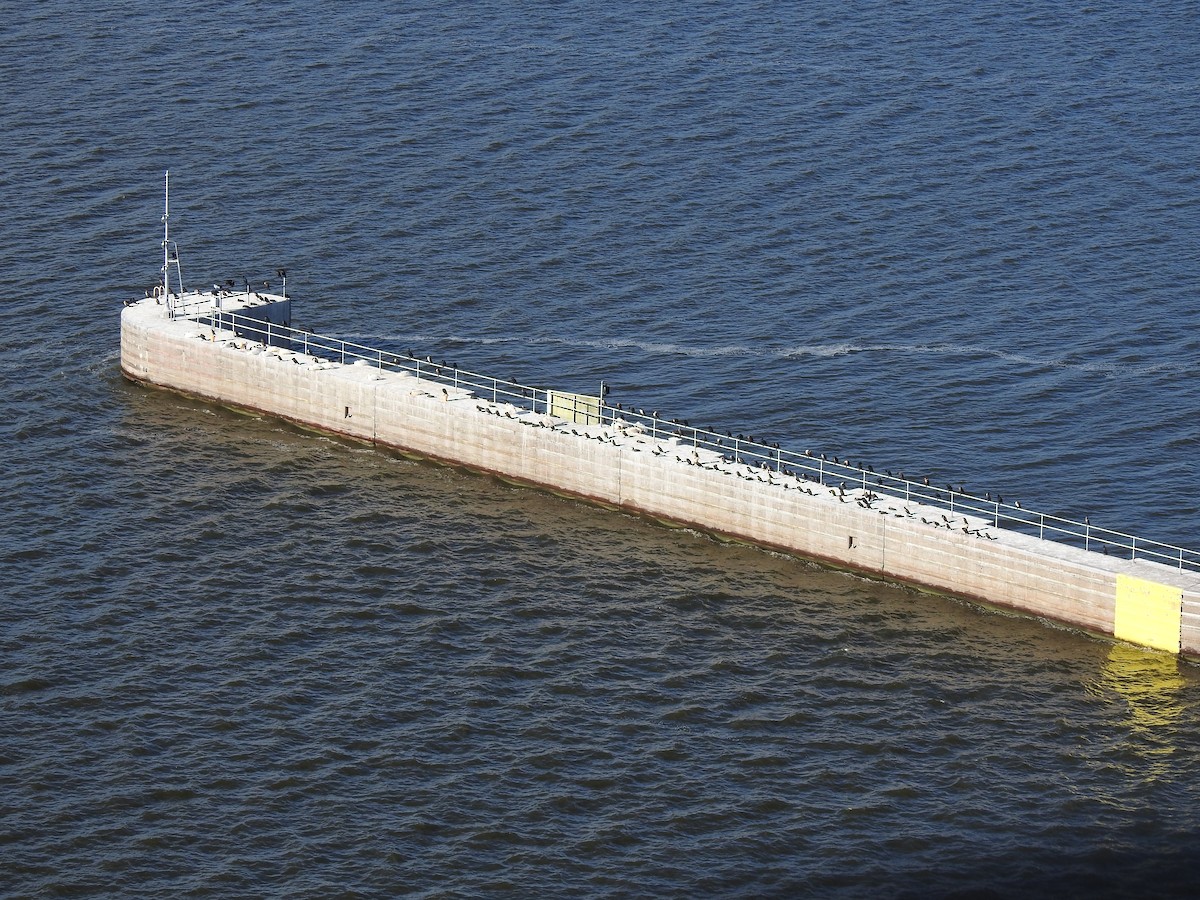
(814, 350)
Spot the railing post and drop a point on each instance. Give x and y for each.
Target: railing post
(1133, 548)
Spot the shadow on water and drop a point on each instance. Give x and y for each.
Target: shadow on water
(1146, 688)
(1099, 873)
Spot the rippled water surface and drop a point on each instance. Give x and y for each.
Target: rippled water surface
(237, 659)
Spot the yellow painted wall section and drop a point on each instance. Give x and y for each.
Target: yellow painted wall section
(1148, 613)
(578, 408)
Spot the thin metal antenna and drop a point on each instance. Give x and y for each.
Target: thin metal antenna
(170, 248)
(166, 227)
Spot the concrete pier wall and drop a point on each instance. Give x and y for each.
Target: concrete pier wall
(668, 479)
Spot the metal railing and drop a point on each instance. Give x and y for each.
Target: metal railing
(817, 469)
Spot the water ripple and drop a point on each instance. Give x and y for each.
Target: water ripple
(236, 658)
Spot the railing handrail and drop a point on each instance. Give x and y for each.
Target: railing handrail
(816, 468)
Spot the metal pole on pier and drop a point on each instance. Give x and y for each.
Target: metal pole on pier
(169, 256)
(166, 230)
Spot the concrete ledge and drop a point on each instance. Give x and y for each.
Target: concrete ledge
(660, 478)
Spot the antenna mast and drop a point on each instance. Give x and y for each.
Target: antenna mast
(170, 248)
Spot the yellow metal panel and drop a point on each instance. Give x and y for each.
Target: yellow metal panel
(1148, 613)
(578, 408)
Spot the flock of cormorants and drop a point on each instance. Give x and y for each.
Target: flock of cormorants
(763, 473)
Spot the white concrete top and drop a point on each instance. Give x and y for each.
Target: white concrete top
(637, 438)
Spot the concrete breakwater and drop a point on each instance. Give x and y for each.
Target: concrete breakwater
(238, 349)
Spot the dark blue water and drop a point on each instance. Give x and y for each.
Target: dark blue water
(241, 660)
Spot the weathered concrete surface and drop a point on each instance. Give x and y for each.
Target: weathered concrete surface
(625, 467)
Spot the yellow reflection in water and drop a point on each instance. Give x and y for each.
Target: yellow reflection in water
(1152, 687)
